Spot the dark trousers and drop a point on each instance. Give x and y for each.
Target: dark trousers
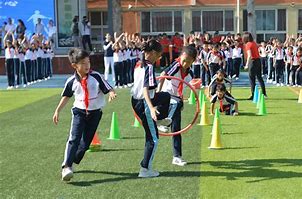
(161, 101)
(43, 69)
(49, 67)
(205, 73)
(33, 70)
(165, 60)
(229, 67)
(293, 74)
(264, 65)
(10, 71)
(86, 40)
(83, 127)
(196, 69)
(279, 71)
(131, 71)
(119, 70)
(39, 67)
(17, 69)
(214, 68)
(287, 73)
(255, 71)
(126, 72)
(23, 73)
(299, 76)
(175, 55)
(175, 115)
(271, 69)
(28, 70)
(236, 63)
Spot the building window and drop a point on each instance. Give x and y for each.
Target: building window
(213, 20)
(281, 20)
(196, 21)
(269, 23)
(300, 20)
(161, 21)
(99, 27)
(265, 19)
(65, 13)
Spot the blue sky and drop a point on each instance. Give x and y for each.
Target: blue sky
(27, 10)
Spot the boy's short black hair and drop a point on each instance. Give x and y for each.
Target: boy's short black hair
(75, 55)
(190, 50)
(220, 88)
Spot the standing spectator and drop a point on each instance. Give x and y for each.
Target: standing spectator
(108, 56)
(177, 43)
(51, 33)
(76, 32)
(20, 30)
(86, 32)
(10, 27)
(253, 63)
(39, 28)
(165, 60)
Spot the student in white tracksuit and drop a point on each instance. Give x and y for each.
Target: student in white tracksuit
(108, 57)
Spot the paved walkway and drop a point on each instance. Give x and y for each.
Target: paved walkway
(58, 81)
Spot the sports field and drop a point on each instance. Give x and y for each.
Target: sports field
(262, 156)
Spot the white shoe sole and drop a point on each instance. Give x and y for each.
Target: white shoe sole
(67, 177)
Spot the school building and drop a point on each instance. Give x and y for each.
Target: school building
(273, 17)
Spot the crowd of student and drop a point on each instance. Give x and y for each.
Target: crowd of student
(27, 59)
(280, 62)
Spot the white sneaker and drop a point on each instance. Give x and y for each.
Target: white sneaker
(115, 87)
(67, 173)
(17, 86)
(278, 84)
(179, 161)
(24, 86)
(147, 173)
(236, 78)
(233, 76)
(282, 84)
(164, 122)
(274, 82)
(120, 87)
(125, 86)
(9, 88)
(163, 129)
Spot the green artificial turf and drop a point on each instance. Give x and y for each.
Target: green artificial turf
(262, 156)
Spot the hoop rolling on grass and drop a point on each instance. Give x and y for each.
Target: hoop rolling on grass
(197, 110)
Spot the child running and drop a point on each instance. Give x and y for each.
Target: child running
(151, 107)
(89, 89)
(179, 68)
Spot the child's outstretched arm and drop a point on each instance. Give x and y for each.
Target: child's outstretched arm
(153, 110)
(61, 105)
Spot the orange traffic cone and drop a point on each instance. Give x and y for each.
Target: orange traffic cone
(95, 144)
(216, 133)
